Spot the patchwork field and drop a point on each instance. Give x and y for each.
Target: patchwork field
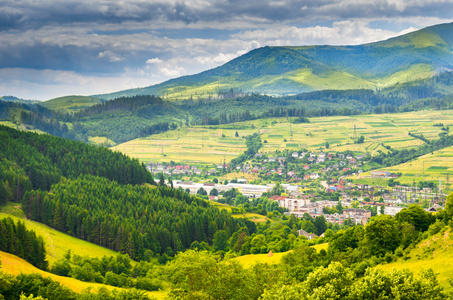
(214, 144)
(431, 167)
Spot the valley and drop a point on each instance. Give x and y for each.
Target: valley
(311, 172)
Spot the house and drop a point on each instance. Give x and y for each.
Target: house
(272, 159)
(434, 208)
(380, 173)
(312, 155)
(309, 236)
(295, 154)
(341, 156)
(281, 159)
(360, 157)
(314, 176)
(258, 155)
(306, 167)
(306, 177)
(392, 210)
(291, 173)
(352, 161)
(351, 212)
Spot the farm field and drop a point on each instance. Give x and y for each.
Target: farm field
(430, 167)
(214, 144)
(57, 243)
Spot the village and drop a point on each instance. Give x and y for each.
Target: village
(353, 202)
(317, 184)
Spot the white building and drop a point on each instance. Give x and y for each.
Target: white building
(392, 210)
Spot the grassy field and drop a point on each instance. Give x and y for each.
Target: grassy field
(57, 243)
(214, 144)
(100, 140)
(251, 216)
(430, 167)
(435, 253)
(251, 259)
(14, 265)
(70, 103)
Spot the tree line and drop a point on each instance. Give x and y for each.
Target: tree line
(16, 239)
(129, 219)
(44, 159)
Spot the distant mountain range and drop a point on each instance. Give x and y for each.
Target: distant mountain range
(292, 70)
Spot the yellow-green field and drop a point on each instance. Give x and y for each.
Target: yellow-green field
(431, 167)
(57, 243)
(435, 253)
(257, 218)
(190, 145)
(214, 144)
(249, 260)
(70, 103)
(14, 265)
(100, 140)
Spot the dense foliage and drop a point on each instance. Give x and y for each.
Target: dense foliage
(44, 159)
(129, 219)
(16, 239)
(114, 270)
(36, 286)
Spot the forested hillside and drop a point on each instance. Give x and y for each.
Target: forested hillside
(29, 160)
(129, 219)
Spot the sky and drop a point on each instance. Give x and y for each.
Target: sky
(52, 48)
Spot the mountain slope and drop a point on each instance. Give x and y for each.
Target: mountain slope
(70, 103)
(290, 70)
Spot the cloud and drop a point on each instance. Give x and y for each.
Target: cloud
(174, 71)
(155, 60)
(154, 40)
(341, 33)
(112, 57)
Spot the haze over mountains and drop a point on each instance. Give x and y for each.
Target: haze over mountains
(291, 70)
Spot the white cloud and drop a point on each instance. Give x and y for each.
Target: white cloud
(112, 57)
(341, 33)
(155, 60)
(174, 71)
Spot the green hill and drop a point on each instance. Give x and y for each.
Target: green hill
(291, 70)
(70, 103)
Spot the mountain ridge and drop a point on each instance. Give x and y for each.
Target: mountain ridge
(282, 70)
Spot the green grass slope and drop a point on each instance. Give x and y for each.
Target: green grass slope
(57, 243)
(70, 103)
(435, 252)
(290, 70)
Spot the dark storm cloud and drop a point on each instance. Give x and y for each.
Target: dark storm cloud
(22, 15)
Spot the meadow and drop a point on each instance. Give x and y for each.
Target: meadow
(435, 253)
(214, 144)
(57, 243)
(249, 260)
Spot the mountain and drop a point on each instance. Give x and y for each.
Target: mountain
(292, 70)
